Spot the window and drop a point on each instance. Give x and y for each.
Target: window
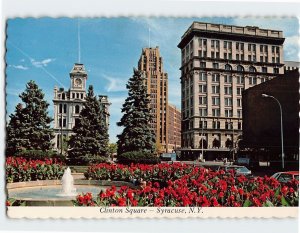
(60, 108)
(215, 100)
(215, 89)
(228, 67)
(242, 46)
(273, 49)
(217, 55)
(215, 77)
(212, 54)
(217, 43)
(202, 111)
(228, 113)
(277, 49)
(249, 57)
(228, 101)
(239, 102)
(239, 113)
(276, 70)
(216, 124)
(202, 64)
(63, 96)
(225, 56)
(242, 57)
(230, 56)
(237, 57)
(239, 90)
(216, 112)
(202, 100)
(239, 125)
(261, 47)
(216, 65)
(227, 78)
(203, 124)
(65, 108)
(252, 80)
(212, 43)
(204, 54)
(261, 59)
(237, 45)
(273, 59)
(225, 44)
(73, 95)
(277, 59)
(227, 90)
(202, 76)
(240, 68)
(252, 69)
(249, 47)
(230, 45)
(264, 69)
(240, 79)
(77, 109)
(266, 59)
(64, 122)
(202, 88)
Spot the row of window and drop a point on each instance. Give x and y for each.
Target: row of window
(216, 101)
(238, 45)
(217, 125)
(63, 108)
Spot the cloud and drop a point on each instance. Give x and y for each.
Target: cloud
(115, 84)
(291, 48)
(19, 67)
(22, 60)
(42, 63)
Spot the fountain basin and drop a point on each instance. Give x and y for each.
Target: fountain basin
(44, 192)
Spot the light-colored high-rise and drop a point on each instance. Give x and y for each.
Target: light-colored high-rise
(174, 132)
(218, 62)
(151, 64)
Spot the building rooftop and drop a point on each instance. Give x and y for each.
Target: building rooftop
(234, 31)
(78, 68)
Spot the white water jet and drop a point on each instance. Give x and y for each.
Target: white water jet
(67, 182)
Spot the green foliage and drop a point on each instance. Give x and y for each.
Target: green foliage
(138, 157)
(39, 154)
(137, 134)
(90, 136)
(88, 159)
(112, 148)
(29, 127)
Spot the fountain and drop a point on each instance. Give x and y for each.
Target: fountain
(67, 181)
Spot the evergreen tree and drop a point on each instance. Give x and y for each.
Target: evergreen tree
(137, 134)
(29, 127)
(90, 138)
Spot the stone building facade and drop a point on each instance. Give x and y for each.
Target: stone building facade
(218, 62)
(174, 132)
(68, 105)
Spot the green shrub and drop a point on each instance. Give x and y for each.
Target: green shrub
(138, 157)
(87, 159)
(39, 154)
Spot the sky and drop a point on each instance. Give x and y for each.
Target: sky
(45, 50)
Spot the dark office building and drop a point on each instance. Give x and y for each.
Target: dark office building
(261, 118)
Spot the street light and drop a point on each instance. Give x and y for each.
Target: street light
(281, 126)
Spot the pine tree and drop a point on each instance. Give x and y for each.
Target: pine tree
(29, 127)
(137, 134)
(90, 138)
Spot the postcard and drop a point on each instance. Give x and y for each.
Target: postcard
(142, 117)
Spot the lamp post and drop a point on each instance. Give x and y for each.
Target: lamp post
(281, 126)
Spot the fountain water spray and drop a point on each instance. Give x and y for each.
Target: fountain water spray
(67, 182)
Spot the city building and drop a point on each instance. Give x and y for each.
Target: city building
(218, 62)
(151, 64)
(68, 104)
(262, 119)
(291, 65)
(174, 130)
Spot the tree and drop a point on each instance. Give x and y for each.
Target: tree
(137, 134)
(112, 149)
(90, 138)
(29, 127)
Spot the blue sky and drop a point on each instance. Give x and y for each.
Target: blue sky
(45, 50)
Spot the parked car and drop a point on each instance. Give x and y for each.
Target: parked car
(239, 170)
(285, 177)
(246, 161)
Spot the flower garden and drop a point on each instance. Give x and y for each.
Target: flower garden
(20, 169)
(169, 185)
(185, 185)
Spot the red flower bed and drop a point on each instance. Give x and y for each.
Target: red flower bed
(19, 169)
(185, 185)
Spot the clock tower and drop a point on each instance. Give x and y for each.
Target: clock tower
(78, 77)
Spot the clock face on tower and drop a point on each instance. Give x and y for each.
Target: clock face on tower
(78, 82)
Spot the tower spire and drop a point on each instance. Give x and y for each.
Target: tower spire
(78, 36)
(149, 37)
